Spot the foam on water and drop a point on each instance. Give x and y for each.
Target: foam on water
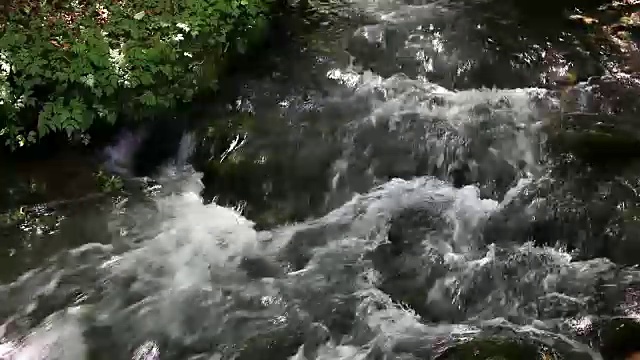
(59, 337)
(183, 282)
(416, 127)
(401, 269)
(176, 276)
(190, 246)
(192, 258)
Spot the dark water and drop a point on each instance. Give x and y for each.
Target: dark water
(397, 180)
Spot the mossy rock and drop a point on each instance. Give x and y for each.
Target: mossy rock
(497, 349)
(279, 344)
(597, 136)
(619, 338)
(599, 143)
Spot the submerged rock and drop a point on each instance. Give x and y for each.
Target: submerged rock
(597, 119)
(599, 136)
(497, 349)
(588, 210)
(619, 338)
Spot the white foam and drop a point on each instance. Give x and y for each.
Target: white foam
(193, 241)
(59, 337)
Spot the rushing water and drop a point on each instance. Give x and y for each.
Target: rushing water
(398, 162)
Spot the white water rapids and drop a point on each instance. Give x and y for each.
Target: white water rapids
(406, 264)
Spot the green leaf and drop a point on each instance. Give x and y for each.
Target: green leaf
(146, 79)
(60, 60)
(69, 130)
(31, 137)
(63, 115)
(108, 90)
(114, 81)
(42, 124)
(111, 117)
(148, 98)
(62, 76)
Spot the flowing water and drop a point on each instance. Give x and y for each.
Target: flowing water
(405, 200)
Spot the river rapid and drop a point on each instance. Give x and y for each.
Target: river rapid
(402, 195)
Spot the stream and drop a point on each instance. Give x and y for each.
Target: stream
(398, 179)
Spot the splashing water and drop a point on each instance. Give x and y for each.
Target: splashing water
(439, 225)
(180, 286)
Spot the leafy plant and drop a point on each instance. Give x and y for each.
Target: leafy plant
(64, 68)
(109, 183)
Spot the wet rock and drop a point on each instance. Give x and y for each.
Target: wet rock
(497, 349)
(279, 344)
(599, 119)
(408, 270)
(586, 210)
(494, 175)
(598, 136)
(530, 217)
(618, 338)
(412, 226)
(375, 47)
(299, 250)
(259, 267)
(460, 175)
(315, 337)
(627, 247)
(276, 173)
(406, 276)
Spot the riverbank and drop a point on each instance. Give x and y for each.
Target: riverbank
(56, 173)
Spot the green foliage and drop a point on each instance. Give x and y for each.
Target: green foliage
(13, 216)
(109, 183)
(65, 69)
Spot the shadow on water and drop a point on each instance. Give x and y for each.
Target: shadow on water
(388, 203)
(40, 198)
